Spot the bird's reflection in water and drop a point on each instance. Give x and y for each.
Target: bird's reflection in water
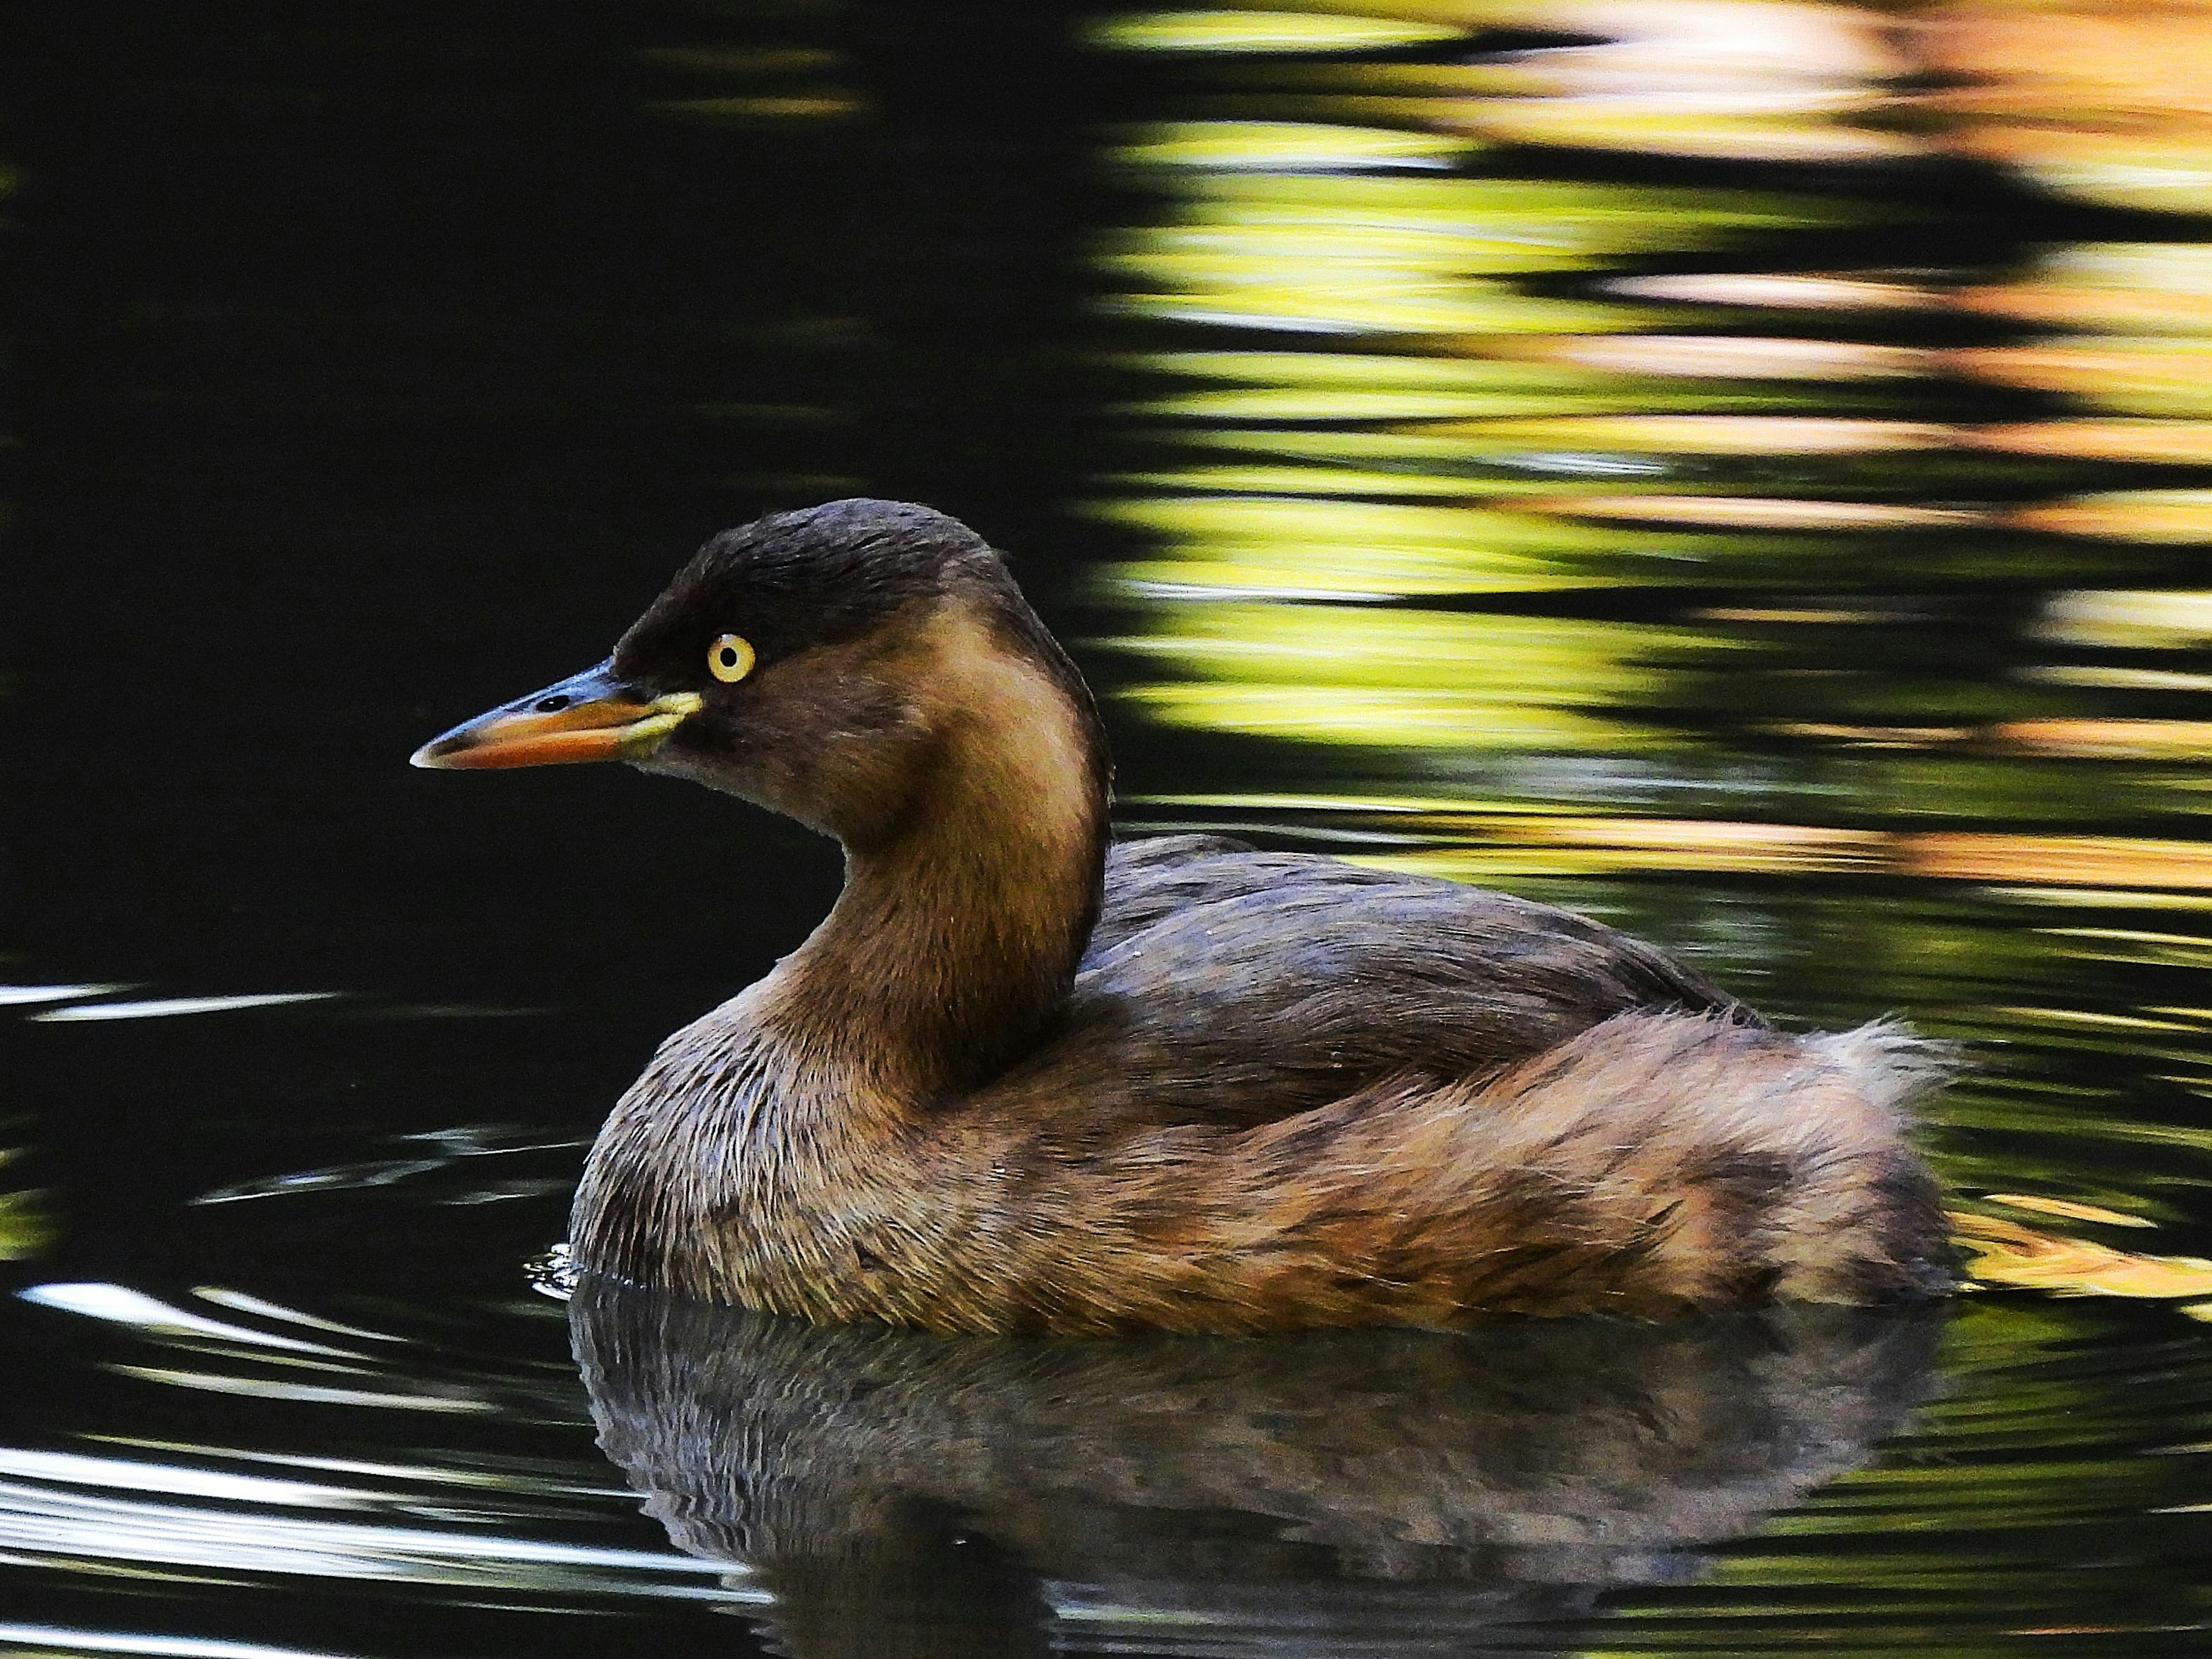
(1369, 1492)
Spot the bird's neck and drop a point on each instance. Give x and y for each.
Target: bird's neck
(957, 937)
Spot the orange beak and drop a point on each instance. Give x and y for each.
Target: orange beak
(591, 716)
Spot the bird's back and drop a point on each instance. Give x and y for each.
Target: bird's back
(1288, 1090)
(1228, 986)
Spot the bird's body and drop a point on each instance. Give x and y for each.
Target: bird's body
(1021, 1080)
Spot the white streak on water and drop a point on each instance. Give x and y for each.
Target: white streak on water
(256, 1387)
(71, 1470)
(15, 996)
(41, 1523)
(176, 1647)
(240, 1302)
(164, 1008)
(118, 1305)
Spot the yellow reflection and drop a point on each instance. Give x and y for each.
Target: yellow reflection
(2007, 1254)
(1315, 405)
(1214, 249)
(1387, 718)
(1381, 255)
(1263, 31)
(2136, 945)
(1588, 845)
(1374, 372)
(1333, 673)
(1382, 299)
(2068, 1209)
(1558, 222)
(2128, 619)
(1284, 146)
(1531, 659)
(25, 1228)
(1810, 124)
(1536, 845)
(1319, 481)
(2117, 677)
(1372, 548)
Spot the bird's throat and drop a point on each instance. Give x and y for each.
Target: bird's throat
(957, 938)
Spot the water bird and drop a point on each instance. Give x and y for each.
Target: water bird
(1025, 1078)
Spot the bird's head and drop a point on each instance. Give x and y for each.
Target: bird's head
(820, 663)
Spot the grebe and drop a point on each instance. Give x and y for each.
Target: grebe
(1024, 1079)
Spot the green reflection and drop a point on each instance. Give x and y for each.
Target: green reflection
(26, 1226)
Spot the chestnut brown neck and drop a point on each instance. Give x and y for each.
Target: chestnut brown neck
(960, 926)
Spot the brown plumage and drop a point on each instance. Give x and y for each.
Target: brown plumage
(1019, 1080)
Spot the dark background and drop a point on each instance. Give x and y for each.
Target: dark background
(373, 363)
(377, 363)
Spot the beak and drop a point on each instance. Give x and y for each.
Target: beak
(589, 716)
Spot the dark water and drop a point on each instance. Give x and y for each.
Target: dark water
(1739, 470)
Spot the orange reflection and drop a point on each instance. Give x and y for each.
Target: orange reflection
(2146, 376)
(2179, 442)
(2064, 860)
(1781, 291)
(2112, 101)
(2105, 305)
(1718, 434)
(2134, 515)
(1747, 512)
(2111, 739)
(1737, 357)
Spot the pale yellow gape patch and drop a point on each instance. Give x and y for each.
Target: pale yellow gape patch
(730, 659)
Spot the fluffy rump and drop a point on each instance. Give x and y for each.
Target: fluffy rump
(1657, 1162)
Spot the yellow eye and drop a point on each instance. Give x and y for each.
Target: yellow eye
(730, 659)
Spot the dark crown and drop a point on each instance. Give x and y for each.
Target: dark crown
(794, 580)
